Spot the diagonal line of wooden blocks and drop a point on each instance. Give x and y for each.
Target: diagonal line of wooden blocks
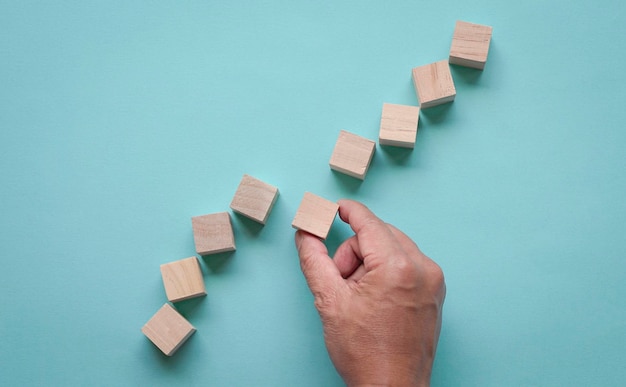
(352, 155)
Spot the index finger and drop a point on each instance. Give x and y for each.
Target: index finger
(374, 236)
(358, 216)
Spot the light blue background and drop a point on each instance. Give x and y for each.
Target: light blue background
(120, 120)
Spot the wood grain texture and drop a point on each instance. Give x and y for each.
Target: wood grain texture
(433, 84)
(168, 330)
(470, 45)
(315, 215)
(254, 199)
(398, 125)
(213, 233)
(352, 155)
(183, 279)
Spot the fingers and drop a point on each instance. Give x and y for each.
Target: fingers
(320, 272)
(376, 241)
(358, 216)
(357, 274)
(348, 257)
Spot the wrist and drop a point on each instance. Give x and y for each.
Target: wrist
(389, 375)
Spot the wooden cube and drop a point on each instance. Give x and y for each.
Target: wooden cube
(398, 125)
(315, 215)
(352, 155)
(168, 330)
(434, 84)
(183, 279)
(470, 45)
(213, 233)
(254, 199)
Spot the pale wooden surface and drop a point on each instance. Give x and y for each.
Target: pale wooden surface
(433, 84)
(315, 215)
(470, 45)
(254, 199)
(352, 154)
(213, 233)
(183, 279)
(168, 330)
(398, 125)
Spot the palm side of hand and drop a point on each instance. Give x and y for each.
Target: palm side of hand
(380, 301)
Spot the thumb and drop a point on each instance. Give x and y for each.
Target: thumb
(321, 274)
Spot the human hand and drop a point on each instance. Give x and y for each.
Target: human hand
(380, 300)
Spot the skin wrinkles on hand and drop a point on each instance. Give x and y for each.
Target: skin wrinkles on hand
(379, 298)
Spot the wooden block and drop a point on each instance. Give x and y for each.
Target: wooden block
(352, 155)
(168, 330)
(470, 45)
(183, 279)
(315, 215)
(434, 84)
(213, 233)
(398, 125)
(254, 199)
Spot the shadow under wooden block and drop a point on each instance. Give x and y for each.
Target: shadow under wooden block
(315, 215)
(213, 233)
(183, 279)
(218, 263)
(396, 154)
(437, 114)
(467, 75)
(351, 184)
(251, 227)
(433, 84)
(188, 306)
(168, 329)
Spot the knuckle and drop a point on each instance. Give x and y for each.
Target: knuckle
(427, 276)
(404, 270)
(436, 278)
(435, 273)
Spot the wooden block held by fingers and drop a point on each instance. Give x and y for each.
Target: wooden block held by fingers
(168, 330)
(470, 45)
(434, 84)
(398, 125)
(183, 279)
(213, 233)
(254, 199)
(315, 215)
(352, 155)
